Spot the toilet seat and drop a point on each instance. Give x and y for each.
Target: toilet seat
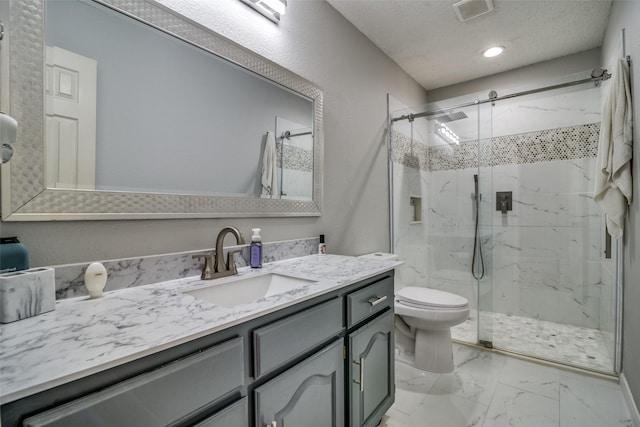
(428, 298)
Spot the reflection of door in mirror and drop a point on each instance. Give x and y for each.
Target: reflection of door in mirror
(295, 159)
(70, 85)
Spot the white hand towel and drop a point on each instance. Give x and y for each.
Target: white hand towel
(270, 168)
(613, 186)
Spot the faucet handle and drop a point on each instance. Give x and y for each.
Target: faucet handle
(207, 272)
(231, 264)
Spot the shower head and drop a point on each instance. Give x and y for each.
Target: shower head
(450, 117)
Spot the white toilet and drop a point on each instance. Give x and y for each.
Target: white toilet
(424, 318)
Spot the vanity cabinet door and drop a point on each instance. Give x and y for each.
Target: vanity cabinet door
(371, 366)
(310, 394)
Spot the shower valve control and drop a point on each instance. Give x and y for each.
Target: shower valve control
(504, 201)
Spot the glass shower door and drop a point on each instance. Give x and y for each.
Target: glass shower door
(483, 259)
(553, 288)
(439, 157)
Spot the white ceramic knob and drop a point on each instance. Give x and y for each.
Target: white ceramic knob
(95, 277)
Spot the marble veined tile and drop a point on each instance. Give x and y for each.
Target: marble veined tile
(531, 377)
(447, 411)
(475, 376)
(411, 379)
(515, 407)
(591, 402)
(407, 401)
(394, 418)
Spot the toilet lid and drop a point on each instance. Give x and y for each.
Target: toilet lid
(430, 297)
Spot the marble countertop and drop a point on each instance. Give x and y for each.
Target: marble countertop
(83, 336)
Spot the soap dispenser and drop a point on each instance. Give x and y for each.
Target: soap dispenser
(255, 249)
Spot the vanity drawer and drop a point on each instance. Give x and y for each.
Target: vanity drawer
(160, 397)
(369, 301)
(290, 337)
(233, 415)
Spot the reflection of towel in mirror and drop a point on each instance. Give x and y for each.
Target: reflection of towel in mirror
(269, 168)
(613, 185)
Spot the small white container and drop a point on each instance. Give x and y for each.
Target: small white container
(27, 293)
(95, 278)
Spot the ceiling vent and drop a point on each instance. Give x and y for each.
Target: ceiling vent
(469, 9)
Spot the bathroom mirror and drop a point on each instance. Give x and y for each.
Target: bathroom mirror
(172, 119)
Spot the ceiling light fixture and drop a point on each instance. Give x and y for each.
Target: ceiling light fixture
(493, 51)
(272, 9)
(447, 134)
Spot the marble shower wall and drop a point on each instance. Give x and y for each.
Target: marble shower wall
(296, 163)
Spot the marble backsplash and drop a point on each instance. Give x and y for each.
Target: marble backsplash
(131, 272)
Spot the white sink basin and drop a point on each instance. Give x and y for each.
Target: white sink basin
(239, 291)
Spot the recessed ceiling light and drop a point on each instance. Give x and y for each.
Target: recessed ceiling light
(493, 51)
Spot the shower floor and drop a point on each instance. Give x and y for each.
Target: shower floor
(573, 345)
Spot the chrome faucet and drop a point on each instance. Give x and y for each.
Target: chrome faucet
(221, 267)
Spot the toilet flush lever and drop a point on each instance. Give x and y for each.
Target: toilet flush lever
(377, 300)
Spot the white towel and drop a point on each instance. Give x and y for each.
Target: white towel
(270, 168)
(613, 186)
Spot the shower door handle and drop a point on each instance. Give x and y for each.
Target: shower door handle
(607, 243)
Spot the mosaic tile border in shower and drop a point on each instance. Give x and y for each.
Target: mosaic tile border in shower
(131, 272)
(573, 142)
(407, 152)
(295, 158)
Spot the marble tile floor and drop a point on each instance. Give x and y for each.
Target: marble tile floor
(492, 390)
(574, 345)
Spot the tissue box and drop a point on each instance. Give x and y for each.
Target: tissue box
(26, 293)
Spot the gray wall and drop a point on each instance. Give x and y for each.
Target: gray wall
(316, 42)
(626, 14)
(525, 76)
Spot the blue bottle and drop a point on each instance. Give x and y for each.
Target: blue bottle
(13, 255)
(255, 249)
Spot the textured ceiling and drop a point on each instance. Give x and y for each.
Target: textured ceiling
(428, 41)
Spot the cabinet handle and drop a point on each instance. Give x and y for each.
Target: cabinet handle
(377, 300)
(361, 382)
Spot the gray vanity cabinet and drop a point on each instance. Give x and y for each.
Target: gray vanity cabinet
(371, 366)
(323, 362)
(311, 394)
(370, 352)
